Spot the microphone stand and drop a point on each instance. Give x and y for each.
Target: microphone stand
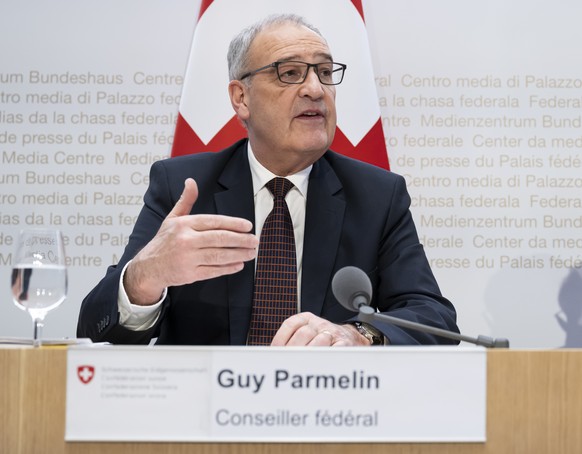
(368, 314)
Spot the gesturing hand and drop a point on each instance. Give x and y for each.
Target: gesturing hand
(189, 248)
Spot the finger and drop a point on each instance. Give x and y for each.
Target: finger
(287, 329)
(187, 199)
(214, 240)
(225, 256)
(305, 329)
(210, 272)
(204, 222)
(323, 339)
(307, 335)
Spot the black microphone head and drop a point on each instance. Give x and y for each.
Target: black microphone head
(352, 288)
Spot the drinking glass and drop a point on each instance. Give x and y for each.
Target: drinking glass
(39, 275)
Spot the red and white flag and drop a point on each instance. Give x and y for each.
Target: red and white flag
(206, 120)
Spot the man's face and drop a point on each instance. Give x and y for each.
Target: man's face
(290, 125)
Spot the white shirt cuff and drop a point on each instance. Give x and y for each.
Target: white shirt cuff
(133, 316)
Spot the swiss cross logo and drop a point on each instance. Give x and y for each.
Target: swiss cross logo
(85, 373)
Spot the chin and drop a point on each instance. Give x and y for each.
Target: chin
(316, 144)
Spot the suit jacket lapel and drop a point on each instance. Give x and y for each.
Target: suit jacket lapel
(323, 223)
(237, 200)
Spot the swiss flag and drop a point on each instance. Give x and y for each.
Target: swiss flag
(206, 120)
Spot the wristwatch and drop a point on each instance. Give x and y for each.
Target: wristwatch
(369, 332)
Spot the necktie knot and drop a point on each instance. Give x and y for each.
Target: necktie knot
(279, 187)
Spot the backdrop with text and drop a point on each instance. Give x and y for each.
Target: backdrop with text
(481, 111)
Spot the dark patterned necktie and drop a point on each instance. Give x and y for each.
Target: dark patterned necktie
(275, 294)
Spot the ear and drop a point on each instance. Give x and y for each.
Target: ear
(238, 93)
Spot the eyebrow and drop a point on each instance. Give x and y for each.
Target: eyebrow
(295, 57)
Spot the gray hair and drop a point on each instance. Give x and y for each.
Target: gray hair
(238, 49)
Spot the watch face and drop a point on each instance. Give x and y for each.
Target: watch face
(370, 338)
(369, 333)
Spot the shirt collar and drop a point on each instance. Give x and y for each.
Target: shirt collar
(261, 175)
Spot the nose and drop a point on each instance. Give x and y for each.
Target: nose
(311, 86)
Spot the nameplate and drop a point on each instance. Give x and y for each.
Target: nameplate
(263, 394)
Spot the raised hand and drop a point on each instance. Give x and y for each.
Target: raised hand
(189, 248)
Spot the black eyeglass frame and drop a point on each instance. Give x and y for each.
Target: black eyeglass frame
(315, 67)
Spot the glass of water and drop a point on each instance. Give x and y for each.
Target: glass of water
(39, 275)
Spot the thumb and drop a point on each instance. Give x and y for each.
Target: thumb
(187, 199)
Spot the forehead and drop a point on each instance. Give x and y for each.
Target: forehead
(288, 41)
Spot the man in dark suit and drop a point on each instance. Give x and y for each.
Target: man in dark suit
(187, 273)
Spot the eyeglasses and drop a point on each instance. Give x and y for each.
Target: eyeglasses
(295, 72)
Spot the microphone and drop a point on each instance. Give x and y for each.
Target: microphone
(353, 290)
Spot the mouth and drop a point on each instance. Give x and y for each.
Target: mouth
(311, 114)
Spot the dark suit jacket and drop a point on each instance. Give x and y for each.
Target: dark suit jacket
(356, 214)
